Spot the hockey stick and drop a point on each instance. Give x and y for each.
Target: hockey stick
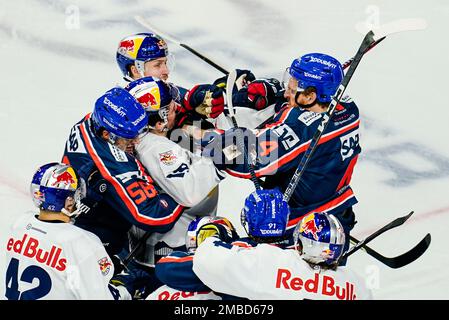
(144, 22)
(401, 260)
(232, 77)
(415, 253)
(368, 42)
(139, 244)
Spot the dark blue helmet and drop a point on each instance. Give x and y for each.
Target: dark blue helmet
(265, 214)
(320, 71)
(140, 47)
(120, 114)
(53, 183)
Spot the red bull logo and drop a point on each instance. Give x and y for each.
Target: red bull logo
(162, 44)
(127, 45)
(38, 195)
(105, 265)
(148, 100)
(65, 178)
(308, 226)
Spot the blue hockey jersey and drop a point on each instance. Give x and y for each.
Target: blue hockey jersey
(130, 197)
(280, 146)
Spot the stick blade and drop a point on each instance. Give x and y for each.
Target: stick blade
(405, 258)
(401, 25)
(145, 23)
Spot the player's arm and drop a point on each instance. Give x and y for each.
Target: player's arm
(274, 148)
(175, 270)
(187, 178)
(228, 269)
(89, 277)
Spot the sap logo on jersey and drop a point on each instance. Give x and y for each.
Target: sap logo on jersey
(349, 143)
(29, 247)
(324, 285)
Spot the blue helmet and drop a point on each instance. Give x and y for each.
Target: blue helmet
(265, 214)
(320, 238)
(139, 48)
(53, 183)
(120, 114)
(320, 71)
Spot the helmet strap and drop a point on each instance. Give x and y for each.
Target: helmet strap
(304, 106)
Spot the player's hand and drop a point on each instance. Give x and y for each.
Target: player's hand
(262, 93)
(205, 99)
(220, 228)
(96, 187)
(226, 152)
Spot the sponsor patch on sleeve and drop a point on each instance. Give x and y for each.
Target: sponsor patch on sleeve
(105, 265)
(168, 158)
(309, 117)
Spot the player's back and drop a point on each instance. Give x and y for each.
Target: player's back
(54, 260)
(266, 272)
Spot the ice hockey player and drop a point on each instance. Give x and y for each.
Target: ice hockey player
(146, 55)
(268, 272)
(63, 261)
(324, 186)
(175, 270)
(189, 179)
(261, 215)
(120, 191)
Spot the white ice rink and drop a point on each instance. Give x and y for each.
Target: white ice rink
(58, 57)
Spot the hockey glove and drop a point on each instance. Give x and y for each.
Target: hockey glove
(225, 150)
(262, 93)
(243, 78)
(206, 99)
(96, 187)
(134, 281)
(221, 228)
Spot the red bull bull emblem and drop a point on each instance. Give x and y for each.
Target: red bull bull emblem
(148, 100)
(105, 265)
(67, 177)
(162, 44)
(308, 226)
(127, 45)
(38, 195)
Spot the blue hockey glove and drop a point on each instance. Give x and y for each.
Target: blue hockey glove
(134, 280)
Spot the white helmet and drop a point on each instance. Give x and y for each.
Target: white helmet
(320, 238)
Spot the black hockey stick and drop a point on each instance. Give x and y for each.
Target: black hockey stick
(410, 256)
(140, 243)
(144, 22)
(369, 41)
(401, 260)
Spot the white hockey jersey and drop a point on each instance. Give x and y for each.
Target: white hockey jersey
(245, 117)
(56, 260)
(186, 177)
(167, 293)
(268, 272)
